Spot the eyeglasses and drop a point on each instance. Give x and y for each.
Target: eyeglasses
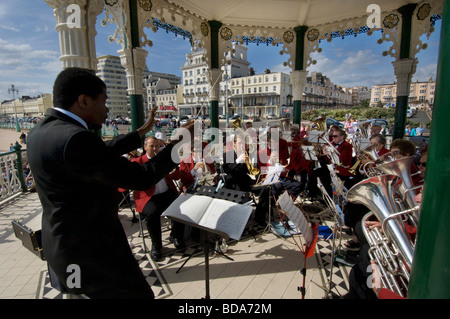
(424, 164)
(336, 135)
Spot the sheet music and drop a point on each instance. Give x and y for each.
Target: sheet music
(273, 174)
(309, 153)
(235, 215)
(188, 208)
(212, 213)
(296, 216)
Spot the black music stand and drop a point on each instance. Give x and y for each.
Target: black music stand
(238, 197)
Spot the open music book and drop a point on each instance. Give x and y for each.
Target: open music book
(296, 216)
(215, 215)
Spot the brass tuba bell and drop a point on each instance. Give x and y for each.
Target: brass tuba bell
(320, 123)
(393, 249)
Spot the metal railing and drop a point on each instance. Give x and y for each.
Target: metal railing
(16, 174)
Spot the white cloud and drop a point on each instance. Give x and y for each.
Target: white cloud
(9, 28)
(31, 71)
(424, 73)
(355, 68)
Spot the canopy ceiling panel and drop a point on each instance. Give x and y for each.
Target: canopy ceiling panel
(284, 13)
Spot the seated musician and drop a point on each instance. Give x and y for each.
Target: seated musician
(298, 164)
(345, 150)
(378, 144)
(360, 271)
(353, 213)
(269, 193)
(295, 137)
(272, 142)
(195, 165)
(154, 201)
(235, 166)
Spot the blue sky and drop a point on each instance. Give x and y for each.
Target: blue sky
(29, 53)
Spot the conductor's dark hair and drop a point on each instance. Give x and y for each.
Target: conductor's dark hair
(72, 82)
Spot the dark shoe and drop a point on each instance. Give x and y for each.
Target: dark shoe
(351, 245)
(155, 254)
(179, 244)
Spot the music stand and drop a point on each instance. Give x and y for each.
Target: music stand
(309, 153)
(337, 223)
(238, 197)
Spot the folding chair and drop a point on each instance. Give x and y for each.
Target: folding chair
(128, 201)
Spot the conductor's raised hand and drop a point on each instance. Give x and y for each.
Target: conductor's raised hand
(185, 133)
(148, 125)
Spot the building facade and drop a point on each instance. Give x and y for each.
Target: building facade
(320, 92)
(421, 95)
(111, 71)
(27, 106)
(195, 82)
(260, 95)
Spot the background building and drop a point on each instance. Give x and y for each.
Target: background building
(260, 95)
(421, 95)
(320, 92)
(28, 106)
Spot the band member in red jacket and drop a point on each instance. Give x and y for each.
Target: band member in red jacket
(154, 201)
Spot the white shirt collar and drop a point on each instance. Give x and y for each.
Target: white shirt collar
(75, 117)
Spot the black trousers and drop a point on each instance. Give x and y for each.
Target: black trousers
(293, 186)
(152, 214)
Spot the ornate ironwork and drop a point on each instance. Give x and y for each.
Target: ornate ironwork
(258, 40)
(348, 32)
(226, 33)
(424, 11)
(313, 35)
(288, 36)
(171, 28)
(204, 28)
(146, 4)
(391, 21)
(111, 2)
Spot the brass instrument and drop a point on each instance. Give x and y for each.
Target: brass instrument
(402, 168)
(237, 124)
(392, 250)
(320, 123)
(370, 152)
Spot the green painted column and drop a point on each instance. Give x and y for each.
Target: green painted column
(300, 32)
(214, 98)
(401, 106)
(430, 275)
(136, 100)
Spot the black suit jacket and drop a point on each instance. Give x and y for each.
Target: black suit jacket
(77, 176)
(237, 173)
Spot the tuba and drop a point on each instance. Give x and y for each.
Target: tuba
(402, 168)
(320, 124)
(392, 250)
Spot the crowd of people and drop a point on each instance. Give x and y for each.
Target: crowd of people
(70, 164)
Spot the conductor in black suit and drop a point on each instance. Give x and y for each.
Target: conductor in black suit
(77, 175)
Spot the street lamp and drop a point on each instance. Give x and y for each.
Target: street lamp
(13, 90)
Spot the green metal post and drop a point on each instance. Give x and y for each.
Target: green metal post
(430, 274)
(401, 106)
(214, 105)
(300, 32)
(136, 100)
